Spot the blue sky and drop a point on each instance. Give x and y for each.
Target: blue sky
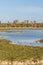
(21, 10)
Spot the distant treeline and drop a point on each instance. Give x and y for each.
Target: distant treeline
(25, 23)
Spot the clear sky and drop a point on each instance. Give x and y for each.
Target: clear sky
(21, 10)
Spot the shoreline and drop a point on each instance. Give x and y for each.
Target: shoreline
(20, 28)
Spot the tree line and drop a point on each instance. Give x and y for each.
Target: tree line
(25, 23)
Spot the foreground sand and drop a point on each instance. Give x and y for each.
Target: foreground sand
(22, 63)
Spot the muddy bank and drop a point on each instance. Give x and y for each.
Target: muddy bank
(40, 41)
(4, 41)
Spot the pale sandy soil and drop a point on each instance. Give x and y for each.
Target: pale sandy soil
(21, 28)
(22, 63)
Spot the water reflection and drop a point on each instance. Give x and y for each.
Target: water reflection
(24, 37)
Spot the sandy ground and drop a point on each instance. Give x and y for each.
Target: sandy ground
(22, 63)
(21, 28)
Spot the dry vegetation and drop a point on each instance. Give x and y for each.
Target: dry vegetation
(11, 52)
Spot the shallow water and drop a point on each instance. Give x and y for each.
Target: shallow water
(23, 37)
